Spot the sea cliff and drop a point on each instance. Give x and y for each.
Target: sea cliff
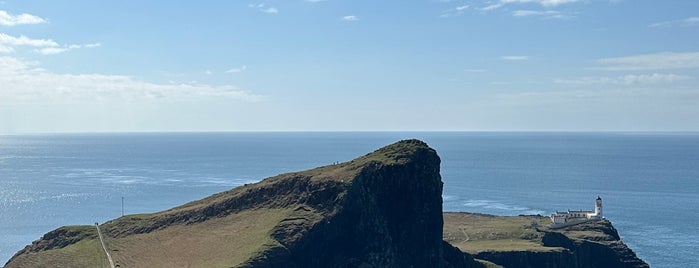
(526, 241)
(383, 209)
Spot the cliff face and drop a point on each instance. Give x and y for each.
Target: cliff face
(383, 209)
(592, 244)
(378, 223)
(380, 210)
(389, 215)
(524, 241)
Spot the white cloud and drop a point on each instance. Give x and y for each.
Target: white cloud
(7, 19)
(515, 58)
(550, 14)
(59, 50)
(456, 11)
(24, 82)
(475, 70)
(262, 7)
(656, 61)
(546, 3)
(9, 40)
(350, 18)
(5, 49)
(492, 5)
(52, 50)
(42, 46)
(630, 79)
(688, 22)
(270, 10)
(237, 70)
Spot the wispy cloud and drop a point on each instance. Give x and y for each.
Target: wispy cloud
(270, 10)
(549, 14)
(58, 50)
(492, 5)
(546, 3)
(515, 58)
(7, 19)
(475, 70)
(687, 22)
(237, 70)
(456, 11)
(8, 40)
(656, 61)
(630, 79)
(349, 18)
(8, 43)
(262, 7)
(26, 82)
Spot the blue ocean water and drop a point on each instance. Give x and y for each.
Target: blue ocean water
(649, 182)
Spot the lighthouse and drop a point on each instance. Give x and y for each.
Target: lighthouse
(598, 207)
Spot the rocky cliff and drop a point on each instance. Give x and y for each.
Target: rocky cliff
(383, 209)
(525, 241)
(380, 210)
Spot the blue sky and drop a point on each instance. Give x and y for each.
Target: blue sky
(334, 65)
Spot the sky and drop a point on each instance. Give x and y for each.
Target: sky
(349, 65)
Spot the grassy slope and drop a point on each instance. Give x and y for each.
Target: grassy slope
(475, 233)
(221, 242)
(216, 242)
(86, 253)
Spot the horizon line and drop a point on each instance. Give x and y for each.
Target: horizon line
(342, 131)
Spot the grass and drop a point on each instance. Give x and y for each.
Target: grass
(475, 233)
(170, 239)
(221, 242)
(85, 253)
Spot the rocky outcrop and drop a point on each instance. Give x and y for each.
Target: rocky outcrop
(586, 245)
(60, 238)
(383, 209)
(389, 214)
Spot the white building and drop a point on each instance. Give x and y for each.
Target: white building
(577, 216)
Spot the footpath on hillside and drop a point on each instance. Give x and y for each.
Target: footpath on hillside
(109, 257)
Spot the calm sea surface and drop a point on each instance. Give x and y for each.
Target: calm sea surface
(649, 183)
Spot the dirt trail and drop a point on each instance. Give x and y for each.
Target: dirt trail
(109, 257)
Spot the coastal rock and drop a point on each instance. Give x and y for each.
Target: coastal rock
(593, 244)
(383, 209)
(525, 241)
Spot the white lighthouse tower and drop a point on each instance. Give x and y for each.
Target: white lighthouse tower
(598, 207)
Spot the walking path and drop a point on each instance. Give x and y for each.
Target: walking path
(109, 257)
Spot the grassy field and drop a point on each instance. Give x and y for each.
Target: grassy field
(221, 242)
(475, 233)
(86, 253)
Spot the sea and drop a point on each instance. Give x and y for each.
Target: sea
(649, 182)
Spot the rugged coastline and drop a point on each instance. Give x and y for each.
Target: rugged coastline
(383, 209)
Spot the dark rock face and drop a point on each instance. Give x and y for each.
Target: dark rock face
(587, 245)
(530, 259)
(389, 216)
(60, 238)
